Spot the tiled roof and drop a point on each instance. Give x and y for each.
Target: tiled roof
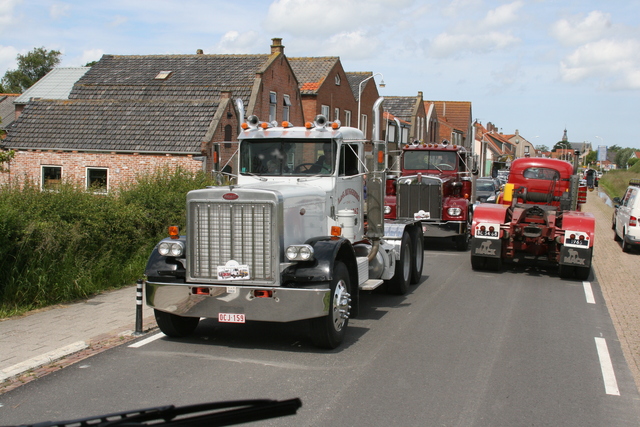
(400, 106)
(355, 78)
(456, 113)
(113, 125)
(312, 72)
(192, 77)
(7, 109)
(56, 84)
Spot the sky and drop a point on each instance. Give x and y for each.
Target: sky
(536, 66)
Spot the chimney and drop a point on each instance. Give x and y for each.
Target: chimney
(199, 52)
(276, 46)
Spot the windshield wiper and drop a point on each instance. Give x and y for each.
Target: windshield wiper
(204, 414)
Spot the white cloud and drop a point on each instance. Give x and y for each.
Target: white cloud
(59, 10)
(235, 42)
(352, 45)
(503, 15)
(447, 45)
(6, 12)
(8, 55)
(578, 30)
(90, 56)
(118, 20)
(614, 63)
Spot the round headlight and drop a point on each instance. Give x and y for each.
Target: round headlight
(305, 253)
(164, 248)
(177, 249)
(291, 253)
(454, 211)
(387, 210)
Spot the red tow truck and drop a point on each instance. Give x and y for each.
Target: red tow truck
(433, 186)
(538, 216)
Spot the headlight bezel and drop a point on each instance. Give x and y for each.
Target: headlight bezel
(171, 248)
(454, 211)
(299, 253)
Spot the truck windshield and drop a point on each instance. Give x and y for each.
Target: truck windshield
(434, 160)
(287, 157)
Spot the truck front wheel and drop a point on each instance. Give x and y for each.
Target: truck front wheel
(175, 326)
(399, 283)
(329, 331)
(417, 243)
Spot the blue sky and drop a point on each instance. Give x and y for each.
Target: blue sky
(538, 66)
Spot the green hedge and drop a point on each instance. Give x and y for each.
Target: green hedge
(57, 247)
(615, 182)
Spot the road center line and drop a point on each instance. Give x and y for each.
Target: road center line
(147, 340)
(588, 292)
(609, 377)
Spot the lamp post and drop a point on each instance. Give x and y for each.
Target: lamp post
(360, 92)
(564, 152)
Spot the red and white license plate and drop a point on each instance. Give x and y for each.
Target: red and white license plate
(231, 318)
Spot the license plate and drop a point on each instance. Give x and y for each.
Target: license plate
(573, 239)
(487, 233)
(576, 242)
(231, 318)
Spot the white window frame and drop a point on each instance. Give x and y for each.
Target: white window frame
(338, 81)
(273, 106)
(336, 114)
(324, 110)
(347, 118)
(87, 183)
(286, 104)
(363, 124)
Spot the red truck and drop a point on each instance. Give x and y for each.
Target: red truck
(538, 216)
(434, 186)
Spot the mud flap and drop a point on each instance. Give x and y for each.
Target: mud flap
(577, 257)
(490, 248)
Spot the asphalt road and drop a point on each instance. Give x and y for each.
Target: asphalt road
(514, 348)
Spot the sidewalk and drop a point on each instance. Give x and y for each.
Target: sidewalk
(34, 340)
(618, 274)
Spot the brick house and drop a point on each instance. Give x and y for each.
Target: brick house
(412, 110)
(134, 114)
(365, 91)
(455, 122)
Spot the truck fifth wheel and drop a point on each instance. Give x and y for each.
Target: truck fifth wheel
(291, 240)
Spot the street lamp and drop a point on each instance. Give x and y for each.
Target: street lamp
(360, 92)
(564, 152)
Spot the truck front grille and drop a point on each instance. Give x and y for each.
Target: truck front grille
(415, 196)
(220, 232)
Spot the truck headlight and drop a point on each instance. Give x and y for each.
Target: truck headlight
(299, 253)
(387, 209)
(454, 211)
(175, 249)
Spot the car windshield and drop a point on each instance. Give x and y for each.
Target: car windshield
(440, 160)
(287, 157)
(542, 173)
(484, 186)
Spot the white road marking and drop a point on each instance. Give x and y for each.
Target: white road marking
(588, 292)
(147, 340)
(609, 377)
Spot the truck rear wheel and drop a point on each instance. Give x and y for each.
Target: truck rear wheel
(417, 243)
(399, 283)
(329, 331)
(175, 326)
(478, 262)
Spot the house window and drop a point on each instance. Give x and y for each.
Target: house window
(324, 110)
(286, 101)
(337, 79)
(336, 114)
(526, 149)
(163, 75)
(273, 100)
(347, 118)
(51, 177)
(363, 124)
(97, 179)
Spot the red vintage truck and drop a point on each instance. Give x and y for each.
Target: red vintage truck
(433, 186)
(538, 216)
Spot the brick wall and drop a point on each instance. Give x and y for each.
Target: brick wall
(121, 167)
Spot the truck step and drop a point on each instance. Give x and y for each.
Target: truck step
(371, 284)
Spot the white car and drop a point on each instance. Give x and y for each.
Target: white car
(626, 215)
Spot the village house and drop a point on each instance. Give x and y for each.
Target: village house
(134, 114)
(455, 122)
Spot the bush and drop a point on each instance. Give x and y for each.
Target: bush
(61, 246)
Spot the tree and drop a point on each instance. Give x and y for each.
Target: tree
(31, 68)
(542, 148)
(561, 145)
(622, 157)
(591, 158)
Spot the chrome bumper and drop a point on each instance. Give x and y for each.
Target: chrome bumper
(284, 304)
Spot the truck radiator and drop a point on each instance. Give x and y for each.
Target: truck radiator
(413, 196)
(242, 232)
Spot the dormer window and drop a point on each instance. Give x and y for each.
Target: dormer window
(337, 79)
(163, 75)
